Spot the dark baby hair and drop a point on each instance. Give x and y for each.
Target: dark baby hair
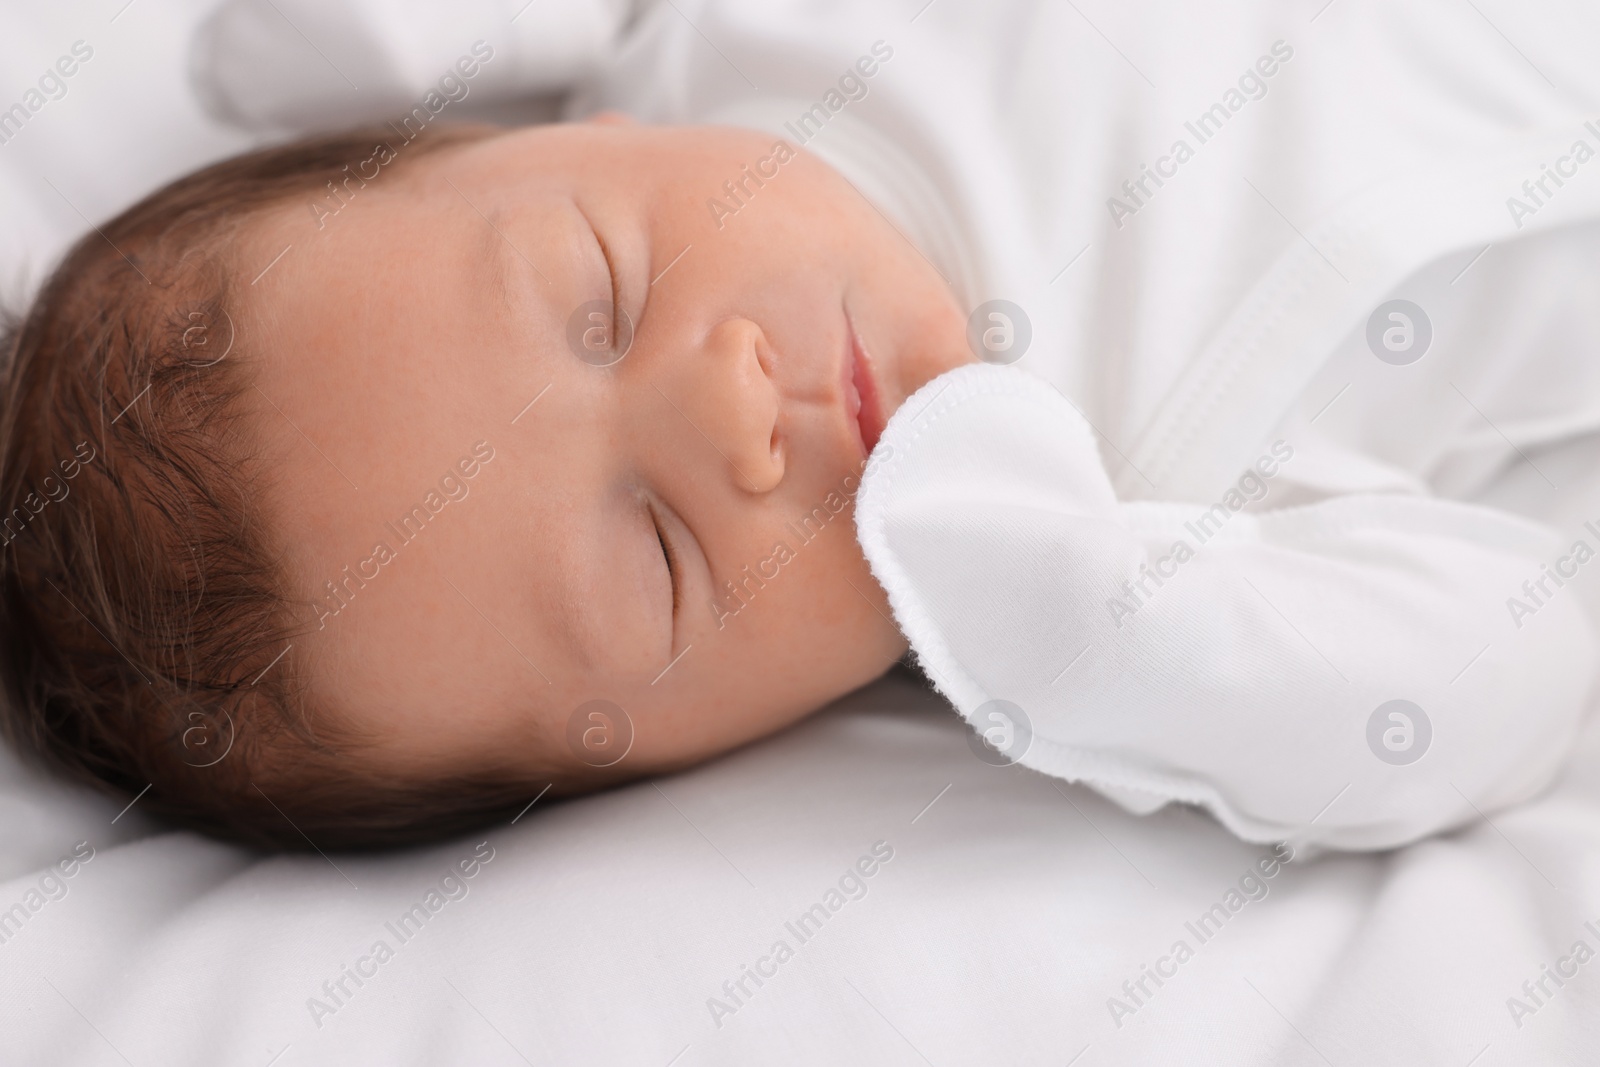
(145, 627)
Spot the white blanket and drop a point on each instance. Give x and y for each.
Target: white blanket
(1003, 930)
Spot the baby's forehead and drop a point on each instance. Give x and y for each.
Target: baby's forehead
(400, 255)
(381, 354)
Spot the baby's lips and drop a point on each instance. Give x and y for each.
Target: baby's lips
(863, 397)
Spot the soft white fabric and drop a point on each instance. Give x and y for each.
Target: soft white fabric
(1239, 665)
(311, 65)
(126, 123)
(1002, 932)
(1016, 906)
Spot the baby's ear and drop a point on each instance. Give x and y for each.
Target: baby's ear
(612, 118)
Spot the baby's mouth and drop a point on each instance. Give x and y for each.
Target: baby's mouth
(863, 403)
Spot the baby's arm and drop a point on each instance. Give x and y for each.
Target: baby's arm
(1236, 660)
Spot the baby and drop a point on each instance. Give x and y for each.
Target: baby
(328, 525)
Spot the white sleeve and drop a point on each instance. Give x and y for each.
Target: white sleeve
(1243, 660)
(323, 64)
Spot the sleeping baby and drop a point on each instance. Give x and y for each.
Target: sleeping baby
(421, 470)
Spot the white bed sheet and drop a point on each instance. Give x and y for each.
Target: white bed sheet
(1014, 908)
(1012, 912)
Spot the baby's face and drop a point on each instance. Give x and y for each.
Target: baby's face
(516, 520)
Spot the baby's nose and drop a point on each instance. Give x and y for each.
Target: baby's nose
(728, 395)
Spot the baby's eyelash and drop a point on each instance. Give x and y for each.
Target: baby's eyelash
(672, 563)
(611, 271)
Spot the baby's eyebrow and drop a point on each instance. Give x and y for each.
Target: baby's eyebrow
(526, 299)
(497, 247)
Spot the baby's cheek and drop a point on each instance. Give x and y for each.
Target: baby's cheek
(839, 610)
